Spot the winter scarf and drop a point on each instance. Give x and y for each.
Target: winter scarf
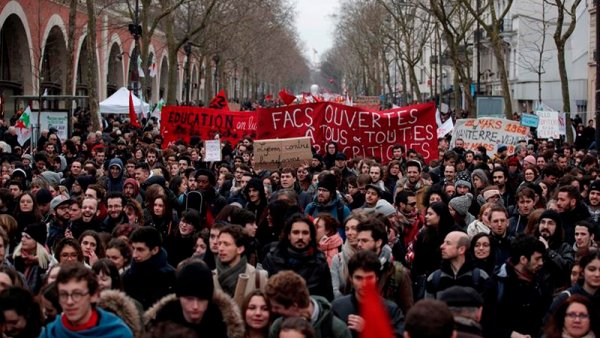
(228, 276)
(297, 257)
(330, 245)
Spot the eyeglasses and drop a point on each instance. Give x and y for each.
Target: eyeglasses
(581, 316)
(75, 296)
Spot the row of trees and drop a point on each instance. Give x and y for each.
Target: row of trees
(251, 41)
(377, 37)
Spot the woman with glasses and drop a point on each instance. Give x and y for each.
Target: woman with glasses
(588, 285)
(576, 317)
(68, 250)
(480, 252)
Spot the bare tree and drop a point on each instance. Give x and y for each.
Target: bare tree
(533, 55)
(92, 78)
(565, 13)
(492, 28)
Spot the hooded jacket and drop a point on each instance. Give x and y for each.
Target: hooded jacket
(120, 304)
(150, 280)
(335, 207)
(108, 325)
(327, 324)
(115, 184)
(222, 318)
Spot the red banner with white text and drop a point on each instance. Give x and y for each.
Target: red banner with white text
(181, 123)
(357, 132)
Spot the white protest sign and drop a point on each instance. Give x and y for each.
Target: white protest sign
(280, 153)
(58, 120)
(445, 128)
(213, 151)
(549, 126)
(489, 132)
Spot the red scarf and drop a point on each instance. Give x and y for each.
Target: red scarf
(92, 322)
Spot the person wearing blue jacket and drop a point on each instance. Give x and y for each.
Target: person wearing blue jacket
(78, 292)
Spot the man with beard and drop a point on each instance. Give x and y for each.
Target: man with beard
(115, 203)
(297, 251)
(406, 204)
(593, 202)
(522, 297)
(500, 177)
(88, 221)
(525, 205)
(327, 200)
(571, 209)
(60, 225)
(559, 255)
(414, 182)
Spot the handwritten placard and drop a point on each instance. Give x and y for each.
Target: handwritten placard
(213, 150)
(489, 132)
(279, 153)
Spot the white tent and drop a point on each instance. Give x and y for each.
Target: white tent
(118, 103)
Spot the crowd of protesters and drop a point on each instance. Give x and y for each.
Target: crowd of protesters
(110, 234)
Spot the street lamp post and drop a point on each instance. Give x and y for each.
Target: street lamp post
(136, 31)
(597, 60)
(187, 48)
(216, 60)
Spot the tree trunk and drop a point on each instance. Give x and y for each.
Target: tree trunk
(413, 81)
(70, 63)
(92, 79)
(499, 54)
(564, 86)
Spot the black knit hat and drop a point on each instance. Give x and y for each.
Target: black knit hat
(459, 296)
(195, 280)
(37, 231)
(595, 186)
(329, 182)
(553, 215)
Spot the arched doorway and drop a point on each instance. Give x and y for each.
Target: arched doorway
(114, 75)
(15, 63)
(81, 85)
(53, 73)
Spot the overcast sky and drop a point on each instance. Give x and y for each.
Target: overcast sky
(315, 24)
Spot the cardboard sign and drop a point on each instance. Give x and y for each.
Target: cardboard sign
(356, 131)
(280, 153)
(530, 120)
(549, 125)
(489, 132)
(213, 151)
(181, 123)
(371, 103)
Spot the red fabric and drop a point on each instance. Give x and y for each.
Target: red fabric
(85, 326)
(132, 115)
(286, 97)
(219, 101)
(374, 313)
(358, 132)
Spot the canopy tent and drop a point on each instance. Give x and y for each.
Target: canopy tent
(118, 103)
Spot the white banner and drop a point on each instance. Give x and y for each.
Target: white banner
(58, 120)
(489, 132)
(213, 151)
(549, 125)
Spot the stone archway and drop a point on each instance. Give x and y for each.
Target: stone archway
(114, 74)
(53, 68)
(15, 63)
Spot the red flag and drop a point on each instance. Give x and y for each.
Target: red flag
(374, 313)
(219, 101)
(132, 115)
(269, 97)
(286, 98)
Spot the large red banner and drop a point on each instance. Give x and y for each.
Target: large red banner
(181, 123)
(357, 132)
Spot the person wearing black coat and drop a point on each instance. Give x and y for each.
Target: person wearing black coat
(150, 276)
(300, 254)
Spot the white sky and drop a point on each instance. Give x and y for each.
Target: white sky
(315, 24)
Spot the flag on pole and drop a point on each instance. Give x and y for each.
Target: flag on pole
(374, 313)
(140, 69)
(152, 70)
(219, 101)
(132, 115)
(23, 126)
(158, 109)
(286, 97)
